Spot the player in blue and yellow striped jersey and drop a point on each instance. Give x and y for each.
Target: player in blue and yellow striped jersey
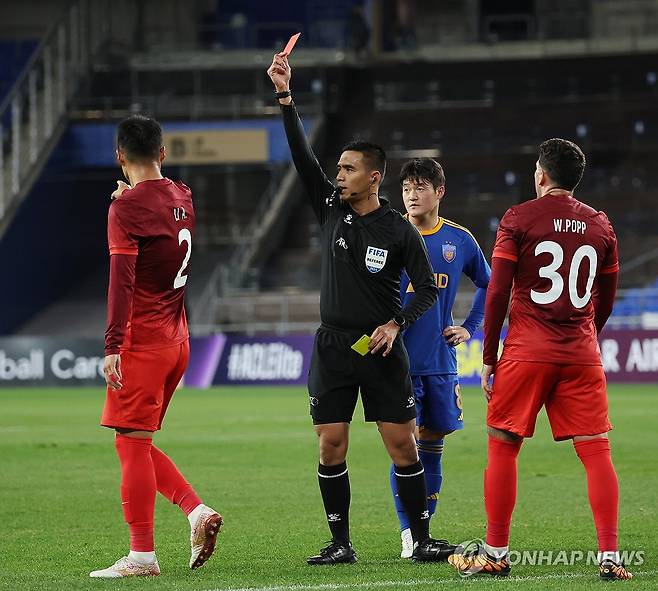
(432, 339)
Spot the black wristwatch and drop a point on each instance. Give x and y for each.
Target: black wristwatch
(400, 321)
(282, 94)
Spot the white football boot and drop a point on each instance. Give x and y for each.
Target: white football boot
(126, 567)
(407, 543)
(207, 524)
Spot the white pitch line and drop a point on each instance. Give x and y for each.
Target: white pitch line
(13, 429)
(417, 582)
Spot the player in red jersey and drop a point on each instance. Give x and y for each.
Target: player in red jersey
(558, 257)
(150, 230)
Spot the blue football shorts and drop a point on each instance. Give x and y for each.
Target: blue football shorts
(438, 402)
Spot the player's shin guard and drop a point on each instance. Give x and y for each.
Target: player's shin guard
(399, 507)
(413, 495)
(138, 490)
(430, 454)
(602, 488)
(500, 490)
(172, 484)
(334, 484)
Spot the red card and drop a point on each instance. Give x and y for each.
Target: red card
(291, 43)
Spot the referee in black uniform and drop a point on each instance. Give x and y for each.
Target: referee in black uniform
(366, 246)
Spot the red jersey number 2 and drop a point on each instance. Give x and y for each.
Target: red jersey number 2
(557, 281)
(183, 236)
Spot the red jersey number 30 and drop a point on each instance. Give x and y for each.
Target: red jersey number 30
(557, 281)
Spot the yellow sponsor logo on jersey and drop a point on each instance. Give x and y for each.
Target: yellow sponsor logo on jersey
(441, 280)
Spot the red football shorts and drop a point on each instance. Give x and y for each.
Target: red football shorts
(574, 396)
(149, 381)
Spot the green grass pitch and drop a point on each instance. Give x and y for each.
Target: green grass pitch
(251, 454)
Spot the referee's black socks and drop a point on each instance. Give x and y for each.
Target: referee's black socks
(412, 494)
(335, 488)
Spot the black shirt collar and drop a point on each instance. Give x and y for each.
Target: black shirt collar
(373, 216)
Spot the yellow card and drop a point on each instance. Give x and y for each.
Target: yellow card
(361, 346)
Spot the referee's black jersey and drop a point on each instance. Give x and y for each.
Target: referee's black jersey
(362, 256)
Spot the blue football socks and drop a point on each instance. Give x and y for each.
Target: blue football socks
(402, 515)
(430, 453)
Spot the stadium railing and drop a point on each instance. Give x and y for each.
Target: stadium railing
(34, 110)
(251, 313)
(227, 281)
(14, 55)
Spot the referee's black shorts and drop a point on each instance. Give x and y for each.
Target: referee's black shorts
(338, 372)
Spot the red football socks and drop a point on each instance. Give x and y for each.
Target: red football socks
(172, 484)
(602, 488)
(500, 489)
(138, 489)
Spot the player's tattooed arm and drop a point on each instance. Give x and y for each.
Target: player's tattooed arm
(112, 371)
(485, 380)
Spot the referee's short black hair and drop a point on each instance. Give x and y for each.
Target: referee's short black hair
(140, 138)
(373, 154)
(423, 169)
(563, 161)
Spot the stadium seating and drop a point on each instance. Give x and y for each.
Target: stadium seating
(482, 119)
(633, 303)
(271, 24)
(484, 122)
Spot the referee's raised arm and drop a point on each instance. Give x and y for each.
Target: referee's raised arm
(316, 183)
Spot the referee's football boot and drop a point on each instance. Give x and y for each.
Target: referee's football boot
(478, 561)
(203, 535)
(611, 571)
(432, 550)
(334, 553)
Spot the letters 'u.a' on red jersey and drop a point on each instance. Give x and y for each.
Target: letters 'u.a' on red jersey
(560, 245)
(154, 221)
